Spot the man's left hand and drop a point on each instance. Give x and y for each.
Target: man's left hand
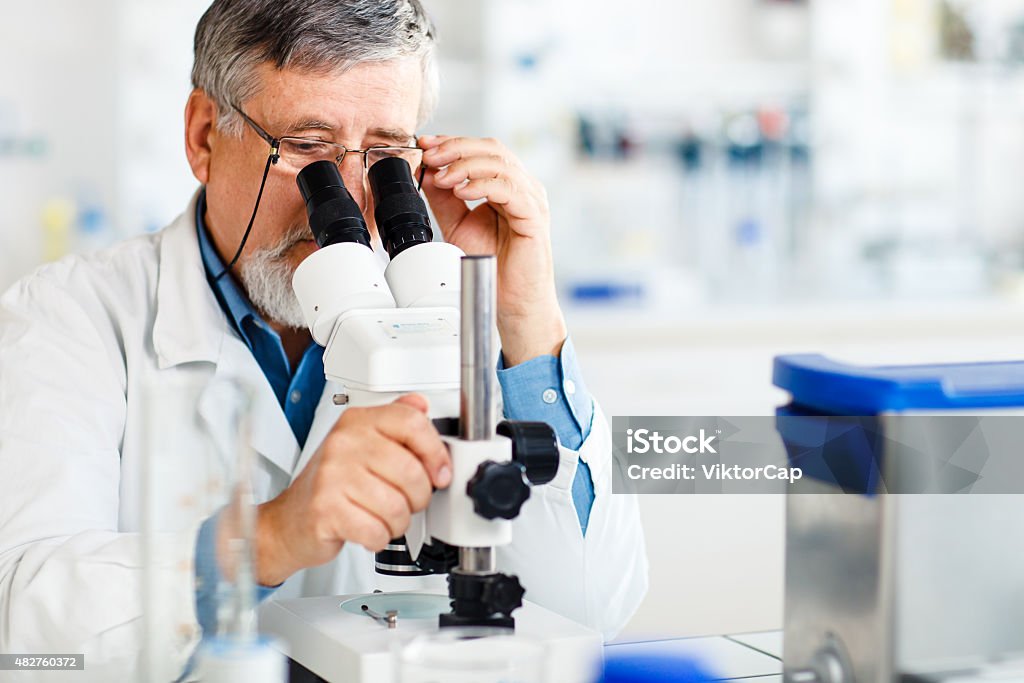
(513, 223)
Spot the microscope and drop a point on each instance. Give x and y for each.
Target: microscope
(426, 324)
(401, 331)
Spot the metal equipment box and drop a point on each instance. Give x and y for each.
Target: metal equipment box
(905, 545)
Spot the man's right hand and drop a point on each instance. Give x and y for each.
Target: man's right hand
(375, 468)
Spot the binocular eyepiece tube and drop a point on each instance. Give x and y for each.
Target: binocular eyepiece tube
(400, 212)
(333, 215)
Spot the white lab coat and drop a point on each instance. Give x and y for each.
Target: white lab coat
(81, 342)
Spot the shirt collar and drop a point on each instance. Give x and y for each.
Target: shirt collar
(230, 296)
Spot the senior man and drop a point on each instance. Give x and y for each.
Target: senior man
(84, 342)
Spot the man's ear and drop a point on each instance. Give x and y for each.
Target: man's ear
(200, 124)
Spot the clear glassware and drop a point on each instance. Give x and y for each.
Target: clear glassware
(198, 461)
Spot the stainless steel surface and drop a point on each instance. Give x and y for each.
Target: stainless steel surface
(960, 579)
(830, 664)
(477, 561)
(909, 582)
(478, 406)
(836, 580)
(803, 676)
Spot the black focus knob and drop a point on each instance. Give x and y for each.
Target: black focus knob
(437, 557)
(535, 447)
(503, 595)
(498, 489)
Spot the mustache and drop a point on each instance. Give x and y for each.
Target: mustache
(296, 233)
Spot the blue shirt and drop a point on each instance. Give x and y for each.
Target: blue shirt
(297, 389)
(545, 389)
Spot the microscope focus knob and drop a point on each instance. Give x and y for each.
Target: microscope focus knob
(498, 489)
(503, 595)
(535, 447)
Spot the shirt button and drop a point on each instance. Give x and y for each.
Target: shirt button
(296, 396)
(570, 387)
(549, 396)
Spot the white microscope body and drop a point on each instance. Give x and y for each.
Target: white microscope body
(386, 333)
(391, 333)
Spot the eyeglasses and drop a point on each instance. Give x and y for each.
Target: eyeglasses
(294, 153)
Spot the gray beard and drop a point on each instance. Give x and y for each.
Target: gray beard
(267, 278)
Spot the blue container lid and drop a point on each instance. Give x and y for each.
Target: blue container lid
(835, 388)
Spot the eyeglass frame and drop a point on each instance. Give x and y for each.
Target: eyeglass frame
(275, 156)
(275, 145)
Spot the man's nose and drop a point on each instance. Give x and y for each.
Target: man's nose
(354, 176)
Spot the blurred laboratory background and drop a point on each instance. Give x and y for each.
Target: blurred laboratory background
(729, 179)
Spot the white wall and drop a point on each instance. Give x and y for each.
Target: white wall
(102, 85)
(59, 87)
(717, 561)
(154, 181)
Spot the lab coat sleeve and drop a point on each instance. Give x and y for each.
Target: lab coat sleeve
(550, 389)
(598, 580)
(70, 582)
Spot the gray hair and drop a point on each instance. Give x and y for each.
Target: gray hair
(320, 36)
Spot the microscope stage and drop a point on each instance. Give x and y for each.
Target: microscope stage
(341, 643)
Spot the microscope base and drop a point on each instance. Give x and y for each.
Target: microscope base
(341, 646)
(498, 621)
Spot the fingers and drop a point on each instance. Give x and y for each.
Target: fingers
(448, 209)
(471, 169)
(376, 468)
(428, 141)
(360, 525)
(417, 401)
(452, 151)
(377, 497)
(498, 191)
(484, 166)
(441, 150)
(412, 428)
(404, 472)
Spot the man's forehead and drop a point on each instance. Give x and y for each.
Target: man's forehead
(311, 123)
(378, 99)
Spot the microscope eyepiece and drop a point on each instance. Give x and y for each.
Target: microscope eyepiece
(400, 212)
(333, 215)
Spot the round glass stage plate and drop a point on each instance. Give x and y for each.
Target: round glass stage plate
(408, 605)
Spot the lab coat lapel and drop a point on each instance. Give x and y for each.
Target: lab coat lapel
(323, 420)
(270, 434)
(191, 327)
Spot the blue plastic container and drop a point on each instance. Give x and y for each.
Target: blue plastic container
(833, 430)
(820, 385)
